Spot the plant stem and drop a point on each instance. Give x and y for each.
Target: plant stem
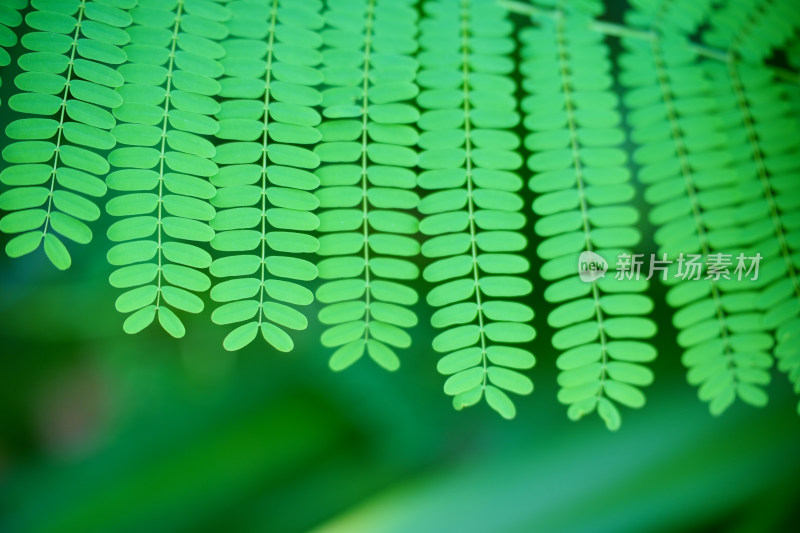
(619, 30)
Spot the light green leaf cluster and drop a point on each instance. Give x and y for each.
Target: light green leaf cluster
(583, 203)
(66, 88)
(367, 180)
(472, 209)
(164, 161)
(10, 17)
(267, 126)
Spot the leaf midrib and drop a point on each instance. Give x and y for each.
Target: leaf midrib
(170, 69)
(763, 174)
(573, 135)
(468, 169)
(261, 287)
(59, 135)
(680, 148)
(364, 184)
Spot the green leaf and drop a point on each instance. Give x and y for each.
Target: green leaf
(383, 355)
(464, 381)
(347, 355)
(136, 298)
(21, 221)
(457, 338)
(56, 252)
(276, 337)
(23, 244)
(240, 337)
(500, 402)
(624, 394)
(139, 320)
(181, 299)
(170, 322)
(509, 380)
(459, 360)
(609, 413)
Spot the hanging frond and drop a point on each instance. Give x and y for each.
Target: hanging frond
(687, 162)
(473, 224)
(164, 162)
(368, 157)
(267, 123)
(10, 17)
(65, 92)
(584, 204)
(765, 142)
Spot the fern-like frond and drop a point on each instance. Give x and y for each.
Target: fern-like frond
(753, 29)
(472, 213)
(366, 194)
(164, 162)
(267, 121)
(766, 143)
(66, 90)
(688, 164)
(10, 17)
(584, 204)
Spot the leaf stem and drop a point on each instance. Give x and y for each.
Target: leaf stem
(763, 174)
(364, 160)
(164, 144)
(468, 169)
(264, 157)
(691, 191)
(619, 30)
(576, 161)
(59, 135)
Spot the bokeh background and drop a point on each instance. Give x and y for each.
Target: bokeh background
(104, 432)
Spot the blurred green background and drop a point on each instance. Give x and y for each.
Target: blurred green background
(104, 432)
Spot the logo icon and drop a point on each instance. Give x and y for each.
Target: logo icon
(591, 266)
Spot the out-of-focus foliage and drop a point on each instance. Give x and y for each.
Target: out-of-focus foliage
(100, 434)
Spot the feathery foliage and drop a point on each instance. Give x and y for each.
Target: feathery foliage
(65, 90)
(686, 161)
(472, 214)
(767, 146)
(367, 154)
(583, 203)
(242, 136)
(9, 18)
(164, 161)
(267, 121)
(765, 108)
